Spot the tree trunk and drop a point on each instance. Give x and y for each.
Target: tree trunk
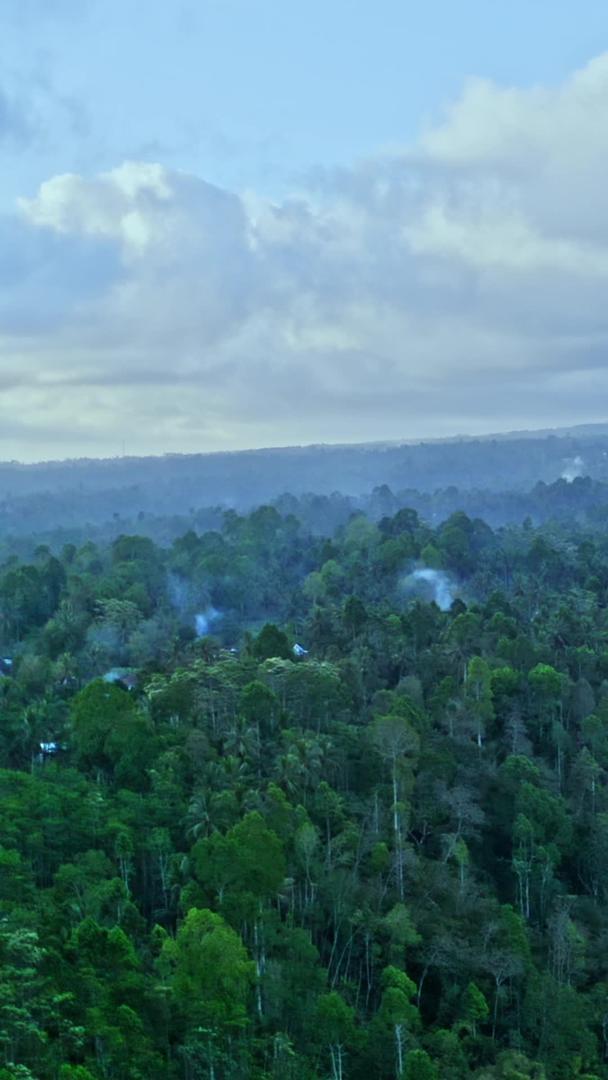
(337, 1061)
(397, 832)
(399, 1049)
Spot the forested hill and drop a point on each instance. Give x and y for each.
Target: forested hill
(502, 481)
(175, 483)
(380, 854)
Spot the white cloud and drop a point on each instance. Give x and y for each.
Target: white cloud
(457, 285)
(122, 204)
(517, 128)
(501, 239)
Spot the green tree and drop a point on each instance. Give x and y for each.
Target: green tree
(336, 1030)
(397, 1011)
(475, 1009)
(271, 642)
(396, 740)
(210, 977)
(419, 1066)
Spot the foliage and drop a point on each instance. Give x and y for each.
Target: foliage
(385, 855)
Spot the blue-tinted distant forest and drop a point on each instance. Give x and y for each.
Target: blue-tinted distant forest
(494, 478)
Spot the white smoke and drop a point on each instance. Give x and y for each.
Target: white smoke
(574, 467)
(443, 594)
(113, 675)
(123, 675)
(203, 620)
(179, 592)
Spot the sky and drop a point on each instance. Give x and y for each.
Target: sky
(240, 223)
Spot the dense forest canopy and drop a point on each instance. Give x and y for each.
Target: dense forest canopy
(285, 802)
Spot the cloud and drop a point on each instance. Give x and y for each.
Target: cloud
(458, 284)
(118, 205)
(522, 130)
(47, 281)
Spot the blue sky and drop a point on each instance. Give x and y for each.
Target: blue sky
(328, 221)
(258, 92)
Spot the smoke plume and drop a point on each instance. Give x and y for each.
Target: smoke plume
(203, 620)
(443, 594)
(574, 467)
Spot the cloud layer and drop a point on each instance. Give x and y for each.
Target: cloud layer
(455, 285)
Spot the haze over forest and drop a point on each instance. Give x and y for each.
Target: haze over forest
(496, 478)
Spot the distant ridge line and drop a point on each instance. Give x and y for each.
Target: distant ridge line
(588, 430)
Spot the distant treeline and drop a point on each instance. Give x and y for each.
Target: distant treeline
(92, 490)
(73, 517)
